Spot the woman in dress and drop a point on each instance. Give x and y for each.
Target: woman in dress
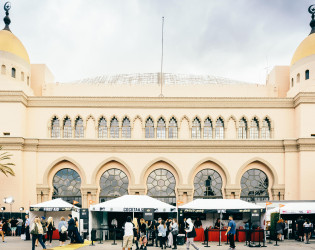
(62, 227)
(50, 229)
(77, 236)
(143, 234)
(307, 231)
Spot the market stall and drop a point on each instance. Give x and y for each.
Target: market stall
(211, 209)
(56, 209)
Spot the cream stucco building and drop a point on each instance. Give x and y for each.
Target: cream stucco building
(206, 137)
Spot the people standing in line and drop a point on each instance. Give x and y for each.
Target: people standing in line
(285, 231)
(44, 225)
(174, 232)
(19, 226)
(37, 233)
(77, 236)
(135, 232)
(50, 229)
(247, 228)
(280, 229)
(162, 233)
(191, 234)
(128, 234)
(169, 233)
(143, 234)
(308, 226)
(71, 225)
(157, 238)
(62, 227)
(299, 228)
(27, 228)
(13, 226)
(231, 231)
(1, 230)
(198, 223)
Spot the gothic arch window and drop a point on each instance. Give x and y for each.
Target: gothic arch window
(161, 185)
(207, 129)
(219, 129)
(126, 129)
(196, 129)
(254, 184)
(307, 74)
(55, 128)
(114, 128)
(3, 69)
(242, 129)
(67, 128)
(79, 129)
(207, 184)
(254, 129)
(266, 129)
(67, 184)
(161, 129)
(28, 81)
(172, 129)
(113, 183)
(149, 128)
(292, 82)
(298, 78)
(102, 128)
(13, 72)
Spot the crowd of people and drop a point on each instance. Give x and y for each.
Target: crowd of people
(304, 229)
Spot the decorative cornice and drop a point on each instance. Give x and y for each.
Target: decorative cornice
(304, 98)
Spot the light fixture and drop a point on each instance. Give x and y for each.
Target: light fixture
(21, 208)
(8, 200)
(2, 208)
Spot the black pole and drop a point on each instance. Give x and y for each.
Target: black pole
(258, 238)
(207, 238)
(276, 239)
(264, 240)
(220, 229)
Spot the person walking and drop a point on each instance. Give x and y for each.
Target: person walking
(174, 232)
(162, 234)
(50, 229)
(62, 227)
(44, 225)
(128, 234)
(77, 236)
(143, 234)
(231, 232)
(308, 226)
(27, 228)
(191, 234)
(1, 230)
(37, 233)
(280, 228)
(71, 225)
(19, 226)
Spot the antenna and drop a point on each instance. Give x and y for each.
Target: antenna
(161, 74)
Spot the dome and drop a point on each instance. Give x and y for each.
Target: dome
(306, 48)
(10, 43)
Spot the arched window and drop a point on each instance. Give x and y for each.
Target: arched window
(126, 129)
(242, 129)
(265, 129)
(207, 184)
(102, 128)
(55, 128)
(298, 78)
(67, 128)
(79, 129)
(67, 184)
(149, 128)
(292, 82)
(28, 80)
(219, 129)
(196, 129)
(307, 74)
(172, 129)
(113, 183)
(161, 185)
(22, 76)
(254, 129)
(254, 184)
(13, 72)
(207, 130)
(3, 70)
(114, 128)
(161, 129)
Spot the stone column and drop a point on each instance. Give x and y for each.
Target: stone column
(89, 195)
(185, 193)
(42, 193)
(232, 192)
(137, 189)
(277, 191)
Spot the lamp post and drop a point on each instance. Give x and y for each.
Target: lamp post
(21, 210)
(10, 201)
(2, 209)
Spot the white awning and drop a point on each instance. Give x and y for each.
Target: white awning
(54, 206)
(298, 208)
(133, 203)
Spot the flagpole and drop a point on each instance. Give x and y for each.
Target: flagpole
(161, 73)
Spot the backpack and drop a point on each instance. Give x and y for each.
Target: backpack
(35, 229)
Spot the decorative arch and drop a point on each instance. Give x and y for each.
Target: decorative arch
(88, 118)
(122, 120)
(134, 120)
(181, 121)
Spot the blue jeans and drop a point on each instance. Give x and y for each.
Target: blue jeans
(18, 230)
(40, 240)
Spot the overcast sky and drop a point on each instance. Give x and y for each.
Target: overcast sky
(234, 39)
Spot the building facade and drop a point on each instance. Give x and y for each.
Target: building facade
(206, 137)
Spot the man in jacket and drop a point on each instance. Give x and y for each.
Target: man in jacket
(71, 228)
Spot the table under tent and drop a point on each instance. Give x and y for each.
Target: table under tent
(56, 209)
(102, 215)
(209, 210)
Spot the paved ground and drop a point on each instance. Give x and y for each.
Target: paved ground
(14, 243)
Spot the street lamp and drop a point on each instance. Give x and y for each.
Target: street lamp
(10, 201)
(2, 209)
(21, 210)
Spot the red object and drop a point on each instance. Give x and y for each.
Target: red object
(55, 235)
(257, 235)
(213, 235)
(200, 232)
(241, 236)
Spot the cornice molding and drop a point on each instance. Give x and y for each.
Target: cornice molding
(304, 98)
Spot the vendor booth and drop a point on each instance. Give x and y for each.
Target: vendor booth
(209, 210)
(113, 213)
(56, 209)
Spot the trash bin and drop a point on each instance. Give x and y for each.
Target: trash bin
(180, 239)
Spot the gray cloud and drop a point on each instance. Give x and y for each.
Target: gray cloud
(234, 39)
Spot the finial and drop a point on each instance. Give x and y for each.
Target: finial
(6, 19)
(311, 10)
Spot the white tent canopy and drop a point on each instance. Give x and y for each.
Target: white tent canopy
(53, 206)
(220, 204)
(295, 208)
(133, 203)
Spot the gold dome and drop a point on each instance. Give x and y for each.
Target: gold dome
(10, 43)
(306, 48)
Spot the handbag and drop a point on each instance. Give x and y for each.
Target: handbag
(23, 236)
(160, 234)
(35, 229)
(193, 233)
(175, 232)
